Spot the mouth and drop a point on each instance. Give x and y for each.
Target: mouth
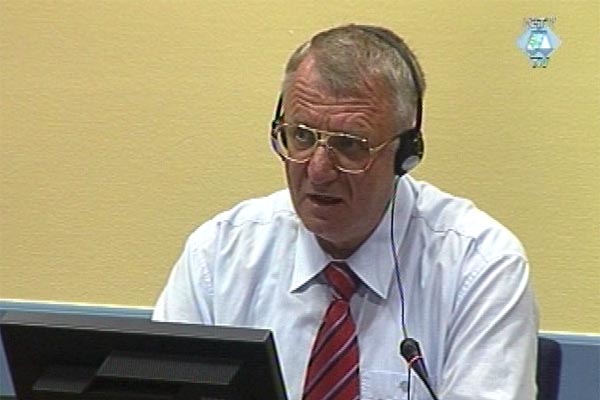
(324, 200)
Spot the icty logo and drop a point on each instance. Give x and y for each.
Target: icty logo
(539, 41)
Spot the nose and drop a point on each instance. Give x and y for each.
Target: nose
(321, 168)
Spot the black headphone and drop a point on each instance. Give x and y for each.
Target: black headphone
(411, 149)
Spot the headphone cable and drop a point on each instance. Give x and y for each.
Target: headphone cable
(396, 263)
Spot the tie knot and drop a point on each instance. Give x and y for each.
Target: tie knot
(341, 279)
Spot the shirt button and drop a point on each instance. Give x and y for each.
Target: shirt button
(403, 386)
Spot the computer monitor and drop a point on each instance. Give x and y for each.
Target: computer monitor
(67, 356)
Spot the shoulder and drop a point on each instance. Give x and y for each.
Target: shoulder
(463, 250)
(262, 214)
(267, 210)
(454, 218)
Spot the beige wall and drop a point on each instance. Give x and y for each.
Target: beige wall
(125, 124)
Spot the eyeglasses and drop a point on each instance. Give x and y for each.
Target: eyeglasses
(350, 153)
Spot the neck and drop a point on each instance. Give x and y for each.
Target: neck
(337, 252)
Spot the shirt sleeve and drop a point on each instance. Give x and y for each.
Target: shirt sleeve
(491, 348)
(188, 294)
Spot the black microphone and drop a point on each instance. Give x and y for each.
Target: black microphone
(410, 350)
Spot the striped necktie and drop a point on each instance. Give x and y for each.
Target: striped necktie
(333, 367)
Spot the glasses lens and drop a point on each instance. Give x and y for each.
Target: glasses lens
(296, 142)
(352, 153)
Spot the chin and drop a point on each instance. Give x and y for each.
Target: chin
(328, 235)
(322, 228)
(331, 226)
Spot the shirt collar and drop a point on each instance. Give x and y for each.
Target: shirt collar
(373, 262)
(309, 260)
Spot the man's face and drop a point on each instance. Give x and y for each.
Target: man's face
(340, 209)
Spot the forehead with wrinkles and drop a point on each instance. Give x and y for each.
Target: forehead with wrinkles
(350, 80)
(307, 88)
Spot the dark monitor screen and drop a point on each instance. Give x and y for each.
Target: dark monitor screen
(67, 356)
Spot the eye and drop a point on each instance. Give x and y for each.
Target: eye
(300, 137)
(303, 135)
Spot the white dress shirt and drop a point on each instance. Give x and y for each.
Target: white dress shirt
(465, 280)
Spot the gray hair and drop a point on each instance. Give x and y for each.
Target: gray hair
(350, 57)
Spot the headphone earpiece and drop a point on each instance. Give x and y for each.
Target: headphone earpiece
(409, 153)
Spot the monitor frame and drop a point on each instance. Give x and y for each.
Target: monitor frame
(88, 357)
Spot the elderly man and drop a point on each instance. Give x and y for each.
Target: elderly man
(356, 256)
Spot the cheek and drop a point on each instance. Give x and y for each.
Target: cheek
(383, 166)
(375, 189)
(364, 193)
(294, 174)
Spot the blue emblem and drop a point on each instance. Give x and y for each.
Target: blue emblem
(538, 41)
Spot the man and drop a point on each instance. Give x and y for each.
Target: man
(354, 235)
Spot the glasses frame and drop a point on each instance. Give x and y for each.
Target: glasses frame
(322, 140)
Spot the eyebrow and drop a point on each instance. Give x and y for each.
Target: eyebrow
(357, 132)
(353, 134)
